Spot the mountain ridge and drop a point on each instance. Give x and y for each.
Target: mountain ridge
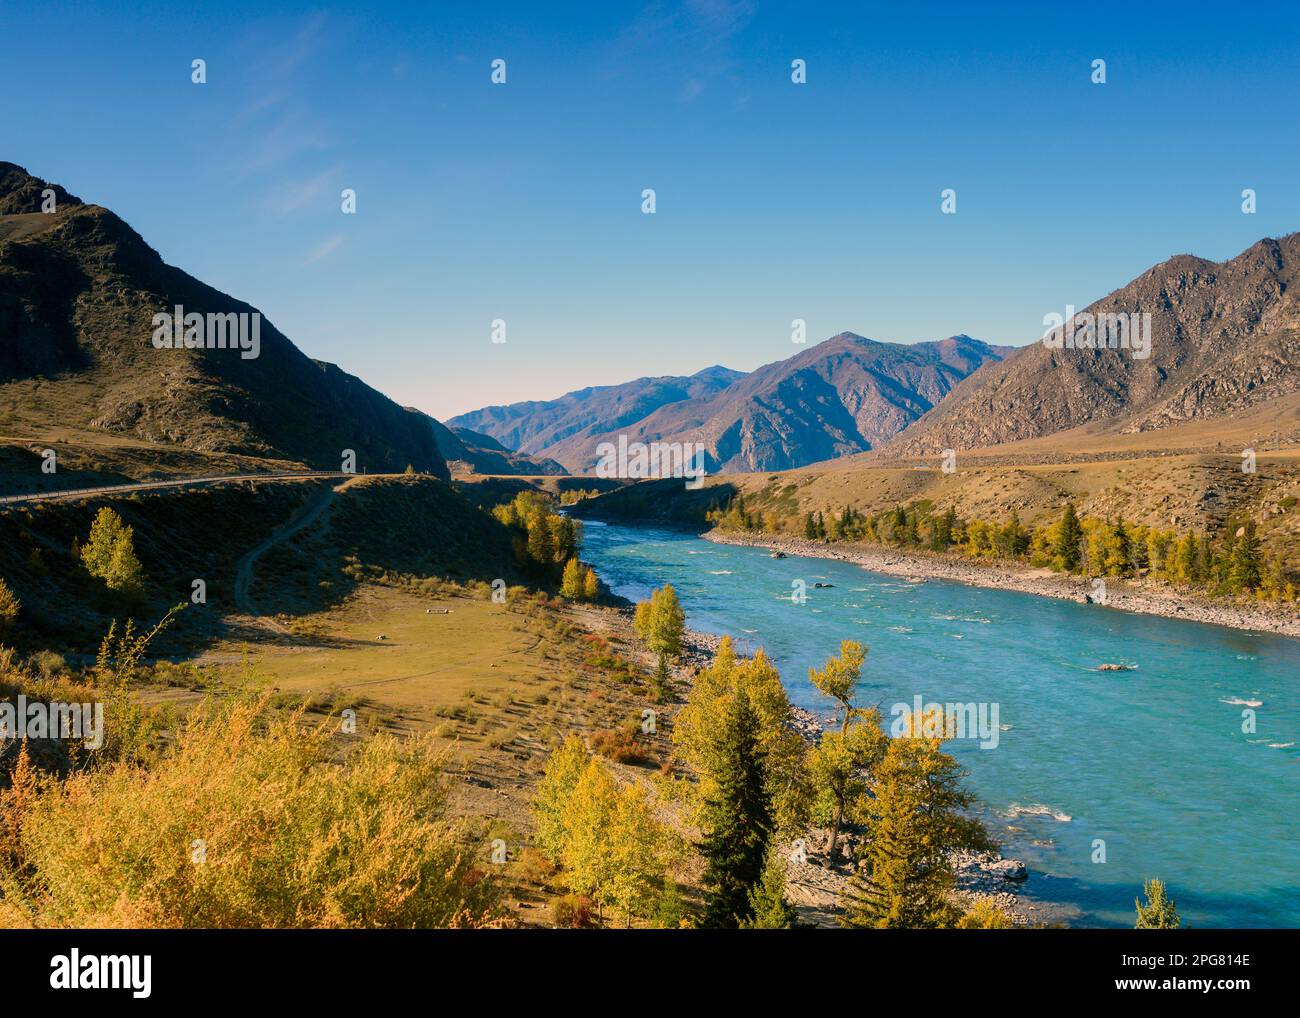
(79, 289)
(841, 396)
(1224, 338)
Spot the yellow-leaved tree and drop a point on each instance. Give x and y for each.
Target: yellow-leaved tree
(571, 585)
(841, 761)
(109, 554)
(916, 811)
(588, 856)
(563, 769)
(610, 845)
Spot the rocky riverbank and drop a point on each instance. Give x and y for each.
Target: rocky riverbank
(1146, 599)
(816, 886)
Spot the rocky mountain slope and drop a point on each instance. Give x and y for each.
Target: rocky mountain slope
(1224, 340)
(565, 426)
(481, 454)
(845, 395)
(78, 292)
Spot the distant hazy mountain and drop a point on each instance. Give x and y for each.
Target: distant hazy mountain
(562, 428)
(845, 395)
(1225, 337)
(485, 455)
(78, 292)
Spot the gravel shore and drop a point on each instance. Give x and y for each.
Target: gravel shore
(1147, 599)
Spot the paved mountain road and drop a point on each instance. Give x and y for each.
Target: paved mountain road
(189, 482)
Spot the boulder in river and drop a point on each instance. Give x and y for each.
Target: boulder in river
(1007, 869)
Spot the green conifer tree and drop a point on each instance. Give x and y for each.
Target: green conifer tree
(737, 819)
(767, 904)
(1069, 535)
(1244, 568)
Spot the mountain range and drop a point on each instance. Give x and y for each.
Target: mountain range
(842, 396)
(79, 291)
(1224, 342)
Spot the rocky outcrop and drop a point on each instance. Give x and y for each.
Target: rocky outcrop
(1224, 337)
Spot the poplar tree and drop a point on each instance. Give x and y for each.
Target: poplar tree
(588, 855)
(660, 622)
(638, 848)
(571, 584)
(109, 554)
(541, 549)
(563, 769)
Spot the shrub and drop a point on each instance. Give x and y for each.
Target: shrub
(984, 914)
(617, 744)
(572, 912)
(247, 822)
(36, 563)
(534, 867)
(9, 604)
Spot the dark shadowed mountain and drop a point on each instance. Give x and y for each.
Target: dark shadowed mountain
(78, 292)
(845, 395)
(1224, 338)
(482, 454)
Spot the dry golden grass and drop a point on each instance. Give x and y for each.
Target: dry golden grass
(248, 821)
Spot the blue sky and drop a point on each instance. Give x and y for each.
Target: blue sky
(775, 201)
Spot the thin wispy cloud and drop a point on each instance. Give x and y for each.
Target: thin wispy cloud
(310, 192)
(695, 38)
(325, 248)
(690, 91)
(280, 121)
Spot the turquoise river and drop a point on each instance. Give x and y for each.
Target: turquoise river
(1152, 762)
